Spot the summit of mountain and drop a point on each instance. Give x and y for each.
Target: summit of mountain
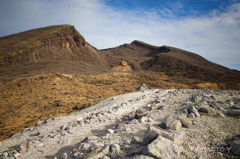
(173, 61)
(58, 48)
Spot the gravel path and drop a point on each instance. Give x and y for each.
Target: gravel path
(214, 116)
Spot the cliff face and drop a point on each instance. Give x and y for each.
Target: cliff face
(50, 43)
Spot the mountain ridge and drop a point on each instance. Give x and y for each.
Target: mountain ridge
(65, 43)
(60, 42)
(67, 74)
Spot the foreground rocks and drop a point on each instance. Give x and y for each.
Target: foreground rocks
(148, 123)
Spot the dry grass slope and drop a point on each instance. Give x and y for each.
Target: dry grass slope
(23, 42)
(73, 77)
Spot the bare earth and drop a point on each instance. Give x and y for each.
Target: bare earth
(61, 136)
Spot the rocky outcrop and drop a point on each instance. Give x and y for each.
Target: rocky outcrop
(59, 43)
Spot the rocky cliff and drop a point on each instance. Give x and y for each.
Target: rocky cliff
(61, 42)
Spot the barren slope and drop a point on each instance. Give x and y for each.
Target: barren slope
(172, 60)
(53, 71)
(60, 43)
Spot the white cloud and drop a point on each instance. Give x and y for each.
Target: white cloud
(215, 36)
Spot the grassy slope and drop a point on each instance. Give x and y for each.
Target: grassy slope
(25, 41)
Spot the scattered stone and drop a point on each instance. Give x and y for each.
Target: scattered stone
(144, 119)
(185, 121)
(63, 141)
(193, 98)
(162, 125)
(16, 155)
(39, 123)
(235, 147)
(235, 113)
(110, 131)
(231, 103)
(150, 120)
(212, 97)
(5, 154)
(169, 122)
(39, 145)
(128, 130)
(184, 112)
(134, 121)
(136, 140)
(142, 88)
(104, 151)
(176, 125)
(79, 119)
(84, 146)
(137, 151)
(64, 156)
(125, 147)
(191, 115)
(193, 110)
(204, 109)
(115, 149)
(162, 148)
(67, 129)
(23, 147)
(139, 157)
(152, 133)
(139, 113)
(90, 138)
(194, 122)
(63, 127)
(106, 157)
(220, 115)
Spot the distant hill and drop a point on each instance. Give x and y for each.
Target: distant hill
(173, 61)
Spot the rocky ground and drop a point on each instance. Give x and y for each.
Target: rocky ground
(147, 123)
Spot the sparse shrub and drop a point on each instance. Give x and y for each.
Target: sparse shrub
(170, 74)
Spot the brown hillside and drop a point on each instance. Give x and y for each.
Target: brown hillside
(60, 42)
(53, 71)
(174, 61)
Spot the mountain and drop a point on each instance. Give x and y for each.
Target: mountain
(172, 60)
(57, 48)
(62, 49)
(53, 71)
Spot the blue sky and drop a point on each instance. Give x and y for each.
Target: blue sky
(210, 28)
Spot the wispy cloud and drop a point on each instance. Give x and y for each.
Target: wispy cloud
(215, 36)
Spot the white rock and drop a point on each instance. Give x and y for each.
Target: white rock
(162, 148)
(84, 146)
(115, 149)
(64, 156)
(5, 154)
(153, 132)
(111, 131)
(176, 125)
(79, 119)
(16, 155)
(144, 119)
